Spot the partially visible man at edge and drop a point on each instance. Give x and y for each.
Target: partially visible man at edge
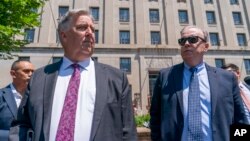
(11, 95)
(244, 88)
(95, 95)
(217, 103)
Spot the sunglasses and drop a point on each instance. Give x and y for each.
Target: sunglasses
(191, 40)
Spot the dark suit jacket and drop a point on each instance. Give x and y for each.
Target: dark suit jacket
(8, 112)
(167, 104)
(113, 118)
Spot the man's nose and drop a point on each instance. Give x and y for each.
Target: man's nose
(89, 30)
(30, 73)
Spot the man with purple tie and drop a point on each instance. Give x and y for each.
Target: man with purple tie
(77, 99)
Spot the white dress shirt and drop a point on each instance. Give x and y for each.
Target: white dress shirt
(246, 92)
(85, 103)
(16, 94)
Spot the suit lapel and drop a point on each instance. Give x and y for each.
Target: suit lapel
(101, 97)
(178, 79)
(10, 100)
(49, 88)
(211, 73)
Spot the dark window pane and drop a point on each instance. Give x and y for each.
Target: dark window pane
(94, 11)
(208, 1)
(25, 58)
(210, 17)
(214, 39)
(124, 14)
(62, 11)
(125, 64)
(124, 37)
(247, 66)
(183, 16)
(95, 58)
(233, 1)
(29, 35)
(237, 18)
(219, 63)
(154, 16)
(155, 37)
(241, 39)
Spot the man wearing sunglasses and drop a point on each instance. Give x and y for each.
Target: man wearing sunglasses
(192, 100)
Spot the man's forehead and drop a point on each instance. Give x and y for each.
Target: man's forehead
(192, 30)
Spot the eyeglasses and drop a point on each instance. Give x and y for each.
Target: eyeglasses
(191, 40)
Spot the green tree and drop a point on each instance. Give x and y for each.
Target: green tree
(15, 16)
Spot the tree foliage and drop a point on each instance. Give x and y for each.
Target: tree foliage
(15, 16)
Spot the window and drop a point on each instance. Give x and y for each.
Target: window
(124, 37)
(62, 11)
(214, 39)
(125, 64)
(237, 18)
(56, 59)
(154, 16)
(234, 2)
(94, 11)
(219, 63)
(155, 37)
(152, 79)
(29, 35)
(181, 0)
(24, 58)
(183, 16)
(210, 17)
(208, 1)
(124, 14)
(96, 36)
(247, 66)
(241, 39)
(95, 58)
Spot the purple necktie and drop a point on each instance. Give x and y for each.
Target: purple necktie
(65, 130)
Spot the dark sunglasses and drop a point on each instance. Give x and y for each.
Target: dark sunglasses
(191, 40)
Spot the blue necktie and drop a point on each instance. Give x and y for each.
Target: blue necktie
(194, 109)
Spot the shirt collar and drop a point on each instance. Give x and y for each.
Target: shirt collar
(199, 67)
(85, 64)
(14, 91)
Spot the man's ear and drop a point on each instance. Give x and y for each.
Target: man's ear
(206, 47)
(13, 73)
(63, 35)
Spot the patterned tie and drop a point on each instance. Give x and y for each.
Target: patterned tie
(65, 131)
(194, 109)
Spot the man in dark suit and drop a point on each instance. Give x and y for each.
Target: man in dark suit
(218, 104)
(101, 105)
(11, 95)
(244, 88)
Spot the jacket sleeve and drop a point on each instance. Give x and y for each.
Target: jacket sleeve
(155, 112)
(129, 128)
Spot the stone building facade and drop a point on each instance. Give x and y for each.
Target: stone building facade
(140, 37)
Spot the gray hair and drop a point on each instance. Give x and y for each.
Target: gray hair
(65, 21)
(205, 33)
